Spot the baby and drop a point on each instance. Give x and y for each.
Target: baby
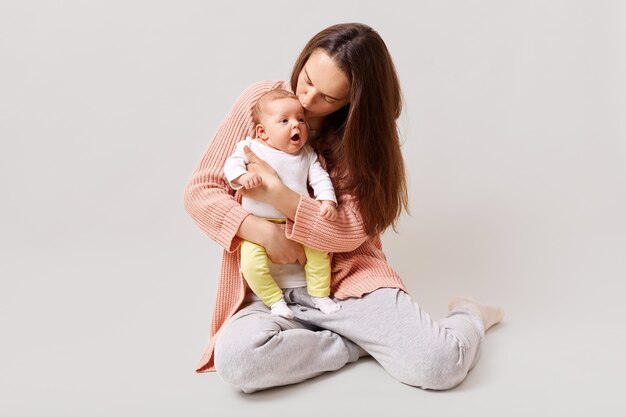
(281, 141)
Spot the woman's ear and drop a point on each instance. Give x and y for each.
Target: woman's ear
(260, 131)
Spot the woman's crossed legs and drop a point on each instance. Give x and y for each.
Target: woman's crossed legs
(255, 351)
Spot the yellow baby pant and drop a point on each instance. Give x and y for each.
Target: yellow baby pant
(255, 269)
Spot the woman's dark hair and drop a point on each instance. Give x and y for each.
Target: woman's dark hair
(360, 142)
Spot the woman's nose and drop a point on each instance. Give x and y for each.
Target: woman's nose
(307, 98)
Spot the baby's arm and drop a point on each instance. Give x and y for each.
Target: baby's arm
(248, 180)
(235, 169)
(322, 188)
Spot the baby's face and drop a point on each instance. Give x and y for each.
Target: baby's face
(284, 125)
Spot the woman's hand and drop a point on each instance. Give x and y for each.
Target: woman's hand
(272, 190)
(281, 250)
(270, 180)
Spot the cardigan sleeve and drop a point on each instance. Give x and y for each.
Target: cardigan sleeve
(345, 234)
(208, 198)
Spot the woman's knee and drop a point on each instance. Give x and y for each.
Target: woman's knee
(226, 357)
(439, 369)
(237, 361)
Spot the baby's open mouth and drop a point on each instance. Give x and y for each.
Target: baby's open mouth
(295, 137)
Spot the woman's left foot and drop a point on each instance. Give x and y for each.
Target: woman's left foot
(490, 314)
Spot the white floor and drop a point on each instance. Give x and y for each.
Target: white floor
(86, 334)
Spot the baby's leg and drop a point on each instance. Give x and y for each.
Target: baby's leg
(317, 270)
(256, 271)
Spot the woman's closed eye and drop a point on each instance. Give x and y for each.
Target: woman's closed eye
(326, 98)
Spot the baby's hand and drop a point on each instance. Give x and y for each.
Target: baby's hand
(249, 180)
(328, 210)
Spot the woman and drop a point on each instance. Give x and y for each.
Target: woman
(346, 81)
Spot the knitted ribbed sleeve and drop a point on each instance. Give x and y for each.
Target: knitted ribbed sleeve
(358, 264)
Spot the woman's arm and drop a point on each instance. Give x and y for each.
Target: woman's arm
(305, 223)
(209, 199)
(272, 237)
(344, 234)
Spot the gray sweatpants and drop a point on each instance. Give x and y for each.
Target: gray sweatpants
(255, 351)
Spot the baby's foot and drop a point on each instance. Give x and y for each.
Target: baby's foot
(326, 305)
(279, 308)
(489, 314)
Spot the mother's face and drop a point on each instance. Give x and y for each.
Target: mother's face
(323, 87)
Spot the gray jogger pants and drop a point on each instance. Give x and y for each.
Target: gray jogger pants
(255, 351)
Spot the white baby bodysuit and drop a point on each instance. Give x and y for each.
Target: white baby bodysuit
(294, 170)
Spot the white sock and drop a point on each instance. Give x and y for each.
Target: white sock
(279, 308)
(326, 305)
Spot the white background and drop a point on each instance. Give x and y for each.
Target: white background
(515, 144)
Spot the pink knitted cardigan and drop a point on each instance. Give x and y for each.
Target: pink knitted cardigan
(359, 265)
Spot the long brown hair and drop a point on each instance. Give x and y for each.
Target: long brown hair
(360, 142)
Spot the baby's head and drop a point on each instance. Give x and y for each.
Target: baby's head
(279, 119)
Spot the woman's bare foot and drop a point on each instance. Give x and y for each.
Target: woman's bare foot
(490, 314)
